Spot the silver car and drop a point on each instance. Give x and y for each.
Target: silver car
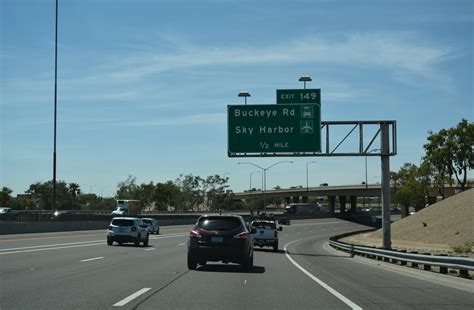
(152, 224)
(127, 229)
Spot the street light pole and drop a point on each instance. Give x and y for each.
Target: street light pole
(307, 178)
(244, 94)
(304, 79)
(251, 173)
(55, 108)
(264, 171)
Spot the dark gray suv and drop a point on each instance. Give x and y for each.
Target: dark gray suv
(220, 237)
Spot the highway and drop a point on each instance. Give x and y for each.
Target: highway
(77, 270)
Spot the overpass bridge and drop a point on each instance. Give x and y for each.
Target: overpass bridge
(346, 193)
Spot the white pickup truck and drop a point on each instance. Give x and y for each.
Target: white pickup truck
(265, 233)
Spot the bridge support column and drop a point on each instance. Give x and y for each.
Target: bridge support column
(332, 204)
(342, 204)
(305, 199)
(353, 204)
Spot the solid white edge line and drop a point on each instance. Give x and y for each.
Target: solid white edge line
(91, 259)
(128, 299)
(150, 249)
(338, 295)
(47, 249)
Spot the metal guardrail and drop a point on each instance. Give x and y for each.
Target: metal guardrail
(463, 264)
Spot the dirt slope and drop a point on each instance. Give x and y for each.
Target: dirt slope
(435, 229)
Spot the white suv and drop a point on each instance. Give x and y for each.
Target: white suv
(127, 229)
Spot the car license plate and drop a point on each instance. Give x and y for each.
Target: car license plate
(217, 239)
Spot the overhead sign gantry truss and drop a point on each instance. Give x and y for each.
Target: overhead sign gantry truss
(366, 145)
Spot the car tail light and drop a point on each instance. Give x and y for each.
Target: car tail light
(242, 235)
(134, 228)
(194, 233)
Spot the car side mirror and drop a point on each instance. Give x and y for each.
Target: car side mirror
(280, 228)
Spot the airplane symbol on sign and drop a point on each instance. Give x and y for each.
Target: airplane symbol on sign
(306, 128)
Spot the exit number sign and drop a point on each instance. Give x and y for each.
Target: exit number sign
(298, 96)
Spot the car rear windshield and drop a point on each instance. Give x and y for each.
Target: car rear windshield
(264, 225)
(122, 222)
(219, 223)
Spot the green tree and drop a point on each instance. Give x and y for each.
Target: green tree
(42, 193)
(450, 152)
(410, 186)
(128, 189)
(166, 195)
(5, 197)
(192, 192)
(217, 196)
(74, 191)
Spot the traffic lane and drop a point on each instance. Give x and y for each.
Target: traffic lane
(93, 284)
(39, 239)
(272, 284)
(370, 286)
(27, 259)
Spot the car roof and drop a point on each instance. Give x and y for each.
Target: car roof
(264, 221)
(125, 218)
(221, 215)
(148, 218)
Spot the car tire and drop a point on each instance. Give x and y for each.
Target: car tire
(145, 242)
(248, 263)
(192, 264)
(137, 241)
(275, 247)
(110, 241)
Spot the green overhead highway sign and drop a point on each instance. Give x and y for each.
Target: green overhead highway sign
(291, 96)
(273, 129)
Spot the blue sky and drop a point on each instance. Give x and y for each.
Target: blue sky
(143, 86)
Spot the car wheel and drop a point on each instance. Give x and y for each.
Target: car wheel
(248, 263)
(137, 241)
(275, 247)
(191, 263)
(158, 232)
(145, 242)
(120, 243)
(110, 241)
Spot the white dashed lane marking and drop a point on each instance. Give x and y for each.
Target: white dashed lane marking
(91, 259)
(128, 299)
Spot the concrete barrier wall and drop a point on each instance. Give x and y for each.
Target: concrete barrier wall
(16, 227)
(7, 228)
(39, 227)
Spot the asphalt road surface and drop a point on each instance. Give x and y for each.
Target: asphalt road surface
(77, 270)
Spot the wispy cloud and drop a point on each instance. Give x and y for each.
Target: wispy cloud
(392, 51)
(181, 121)
(405, 56)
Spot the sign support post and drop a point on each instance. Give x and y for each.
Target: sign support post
(385, 166)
